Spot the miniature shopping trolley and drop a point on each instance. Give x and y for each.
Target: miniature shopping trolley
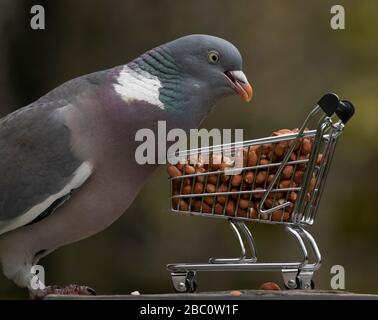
(279, 182)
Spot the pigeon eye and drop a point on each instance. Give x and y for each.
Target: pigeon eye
(213, 57)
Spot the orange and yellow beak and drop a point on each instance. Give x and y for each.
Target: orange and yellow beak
(240, 84)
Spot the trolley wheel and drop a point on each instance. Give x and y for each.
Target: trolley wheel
(290, 288)
(191, 285)
(184, 282)
(298, 285)
(312, 285)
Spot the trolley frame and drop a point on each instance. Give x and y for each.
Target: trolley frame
(298, 274)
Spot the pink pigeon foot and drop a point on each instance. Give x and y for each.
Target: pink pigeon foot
(72, 289)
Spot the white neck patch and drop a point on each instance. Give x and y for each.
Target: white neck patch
(141, 86)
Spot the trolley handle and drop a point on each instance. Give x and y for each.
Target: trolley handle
(345, 111)
(331, 104)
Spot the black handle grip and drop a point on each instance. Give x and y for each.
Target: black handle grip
(345, 111)
(331, 104)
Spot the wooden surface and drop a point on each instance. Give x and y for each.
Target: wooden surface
(245, 295)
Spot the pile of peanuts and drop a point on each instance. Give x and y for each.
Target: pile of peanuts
(239, 204)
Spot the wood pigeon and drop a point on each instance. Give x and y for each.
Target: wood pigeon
(67, 160)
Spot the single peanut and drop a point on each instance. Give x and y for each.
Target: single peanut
(188, 169)
(280, 216)
(299, 143)
(206, 208)
(210, 188)
(187, 189)
(245, 196)
(180, 164)
(213, 179)
(266, 148)
(201, 178)
(280, 148)
(196, 205)
(253, 213)
(293, 196)
(302, 165)
(269, 203)
(287, 172)
(243, 203)
(311, 187)
(209, 200)
(198, 188)
(298, 176)
(249, 176)
(187, 181)
(230, 208)
(176, 183)
(252, 158)
(241, 213)
(235, 293)
(258, 195)
(287, 184)
(281, 132)
(236, 180)
(319, 159)
(269, 286)
(222, 199)
(275, 195)
(235, 195)
(218, 208)
(270, 178)
(290, 208)
(306, 146)
(183, 205)
(260, 178)
(175, 202)
(257, 148)
(173, 171)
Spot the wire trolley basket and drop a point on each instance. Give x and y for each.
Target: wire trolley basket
(278, 180)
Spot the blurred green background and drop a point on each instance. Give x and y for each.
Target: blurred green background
(291, 56)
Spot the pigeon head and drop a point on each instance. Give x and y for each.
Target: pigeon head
(211, 66)
(186, 76)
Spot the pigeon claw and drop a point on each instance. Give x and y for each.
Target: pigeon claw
(72, 289)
